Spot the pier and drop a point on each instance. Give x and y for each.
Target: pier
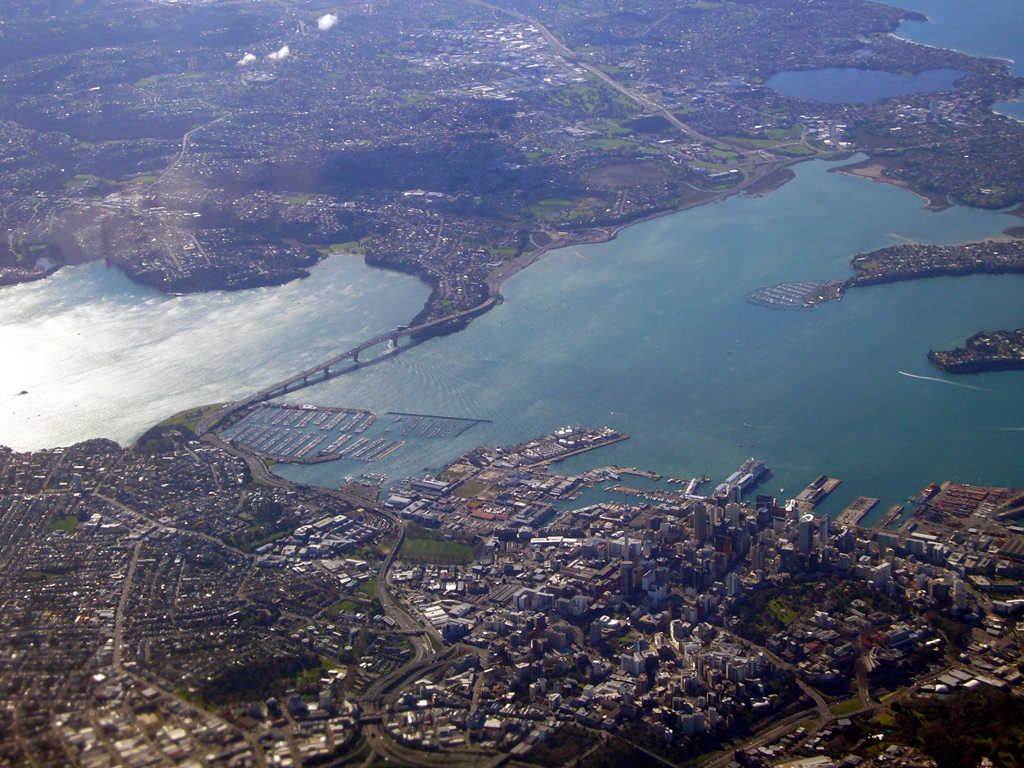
(892, 516)
(426, 425)
(816, 492)
(650, 475)
(854, 513)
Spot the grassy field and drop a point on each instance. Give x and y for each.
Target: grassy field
(795, 150)
(847, 707)
(608, 144)
(350, 606)
(782, 611)
(66, 523)
(434, 551)
(470, 489)
(548, 207)
(368, 588)
(593, 98)
(190, 417)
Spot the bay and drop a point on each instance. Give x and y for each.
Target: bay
(648, 333)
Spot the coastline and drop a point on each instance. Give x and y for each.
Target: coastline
(451, 324)
(769, 178)
(873, 169)
(607, 234)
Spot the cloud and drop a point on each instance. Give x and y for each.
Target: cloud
(284, 53)
(327, 21)
(249, 58)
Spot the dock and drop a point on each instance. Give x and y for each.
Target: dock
(853, 514)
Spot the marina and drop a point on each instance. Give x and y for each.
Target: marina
(798, 296)
(425, 425)
(307, 434)
(292, 433)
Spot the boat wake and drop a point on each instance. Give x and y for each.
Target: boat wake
(950, 383)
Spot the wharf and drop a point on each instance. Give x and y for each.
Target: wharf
(593, 445)
(649, 474)
(661, 497)
(854, 513)
(887, 520)
(626, 490)
(815, 493)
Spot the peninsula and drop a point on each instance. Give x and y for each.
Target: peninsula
(983, 352)
(177, 603)
(203, 147)
(912, 261)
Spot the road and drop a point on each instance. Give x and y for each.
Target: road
(122, 605)
(426, 659)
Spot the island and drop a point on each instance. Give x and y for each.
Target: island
(985, 351)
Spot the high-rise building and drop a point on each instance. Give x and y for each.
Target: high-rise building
(701, 522)
(805, 533)
(626, 576)
(823, 524)
(760, 556)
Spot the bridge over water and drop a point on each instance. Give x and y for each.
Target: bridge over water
(322, 371)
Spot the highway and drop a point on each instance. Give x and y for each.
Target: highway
(570, 58)
(424, 637)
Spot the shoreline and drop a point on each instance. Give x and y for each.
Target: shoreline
(450, 324)
(496, 279)
(873, 169)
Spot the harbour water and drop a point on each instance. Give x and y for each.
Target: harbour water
(648, 334)
(98, 356)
